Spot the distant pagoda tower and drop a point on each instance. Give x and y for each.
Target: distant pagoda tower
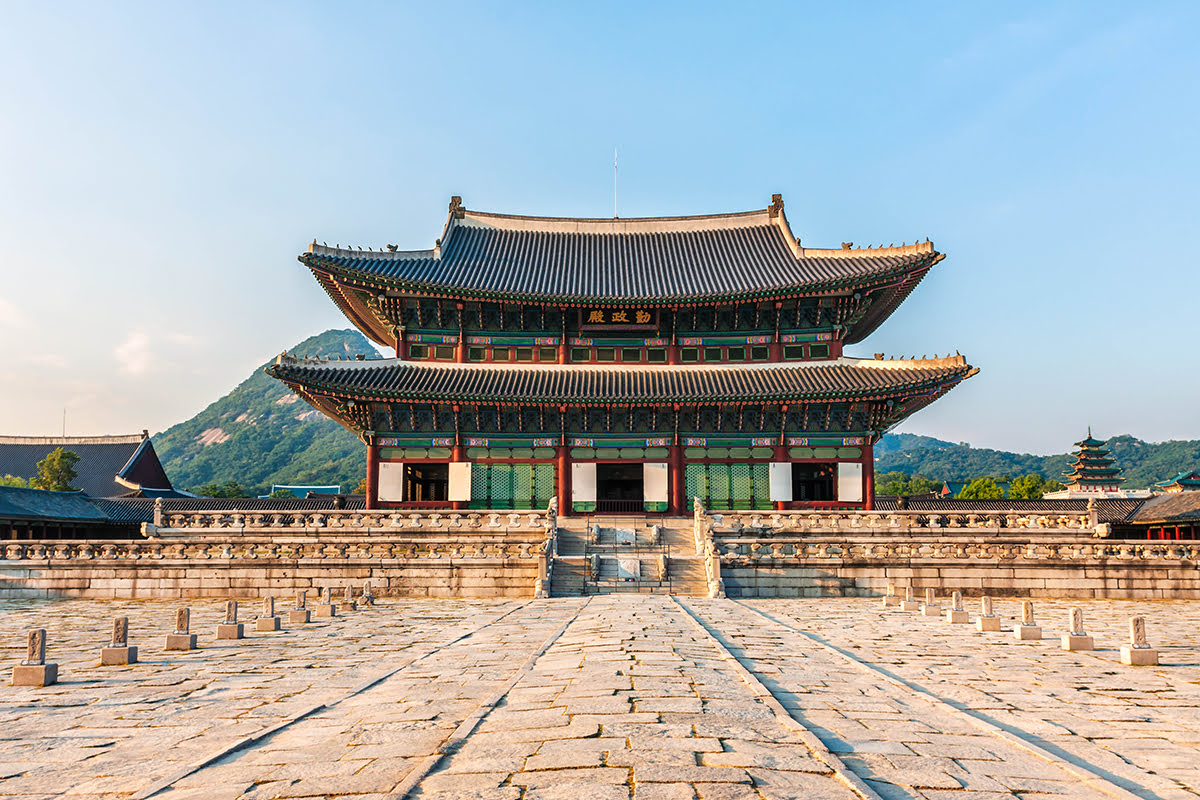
(1093, 470)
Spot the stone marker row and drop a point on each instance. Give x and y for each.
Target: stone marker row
(1137, 653)
(34, 671)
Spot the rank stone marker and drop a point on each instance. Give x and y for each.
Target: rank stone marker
(325, 608)
(988, 622)
(908, 603)
(181, 639)
(930, 608)
(118, 652)
(268, 621)
(367, 598)
(348, 603)
(300, 614)
(1077, 638)
(34, 671)
(956, 614)
(230, 628)
(1138, 653)
(890, 598)
(1027, 630)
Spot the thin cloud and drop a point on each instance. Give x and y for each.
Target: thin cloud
(134, 356)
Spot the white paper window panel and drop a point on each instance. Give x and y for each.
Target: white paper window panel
(850, 483)
(781, 481)
(654, 483)
(391, 481)
(460, 480)
(583, 483)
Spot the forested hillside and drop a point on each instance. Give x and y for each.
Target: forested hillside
(261, 433)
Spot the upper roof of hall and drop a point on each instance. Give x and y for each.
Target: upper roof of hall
(737, 257)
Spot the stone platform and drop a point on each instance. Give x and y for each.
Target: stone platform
(622, 696)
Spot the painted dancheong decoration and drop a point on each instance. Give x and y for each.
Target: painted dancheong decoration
(620, 365)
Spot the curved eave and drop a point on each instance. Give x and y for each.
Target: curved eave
(340, 283)
(917, 391)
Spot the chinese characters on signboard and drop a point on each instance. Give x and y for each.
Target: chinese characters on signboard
(617, 318)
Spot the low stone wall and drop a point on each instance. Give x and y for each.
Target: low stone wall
(251, 569)
(228, 554)
(1010, 566)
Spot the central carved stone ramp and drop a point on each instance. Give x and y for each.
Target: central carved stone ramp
(590, 550)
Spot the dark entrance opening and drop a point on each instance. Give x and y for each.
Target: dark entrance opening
(426, 482)
(813, 481)
(619, 488)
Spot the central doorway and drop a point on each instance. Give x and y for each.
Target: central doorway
(619, 488)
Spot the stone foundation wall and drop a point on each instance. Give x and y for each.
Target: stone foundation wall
(1067, 567)
(169, 578)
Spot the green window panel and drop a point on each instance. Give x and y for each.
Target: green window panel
(762, 452)
(583, 508)
(695, 479)
(718, 486)
(656, 507)
(523, 485)
(544, 486)
(694, 452)
(761, 476)
(501, 485)
(439, 452)
(479, 486)
(741, 490)
(849, 452)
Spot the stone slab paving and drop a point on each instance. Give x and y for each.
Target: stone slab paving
(1138, 725)
(620, 696)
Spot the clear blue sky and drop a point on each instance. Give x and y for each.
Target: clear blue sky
(161, 165)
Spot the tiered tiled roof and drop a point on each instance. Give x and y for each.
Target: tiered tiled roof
(1093, 466)
(650, 261)
(845, 378)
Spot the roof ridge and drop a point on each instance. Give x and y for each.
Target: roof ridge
(132, 438)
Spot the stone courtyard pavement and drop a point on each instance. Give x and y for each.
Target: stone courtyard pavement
(619, 696)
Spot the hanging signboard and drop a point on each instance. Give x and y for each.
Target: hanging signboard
(594, 319)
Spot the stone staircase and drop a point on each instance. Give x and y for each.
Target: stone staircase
(626, 537)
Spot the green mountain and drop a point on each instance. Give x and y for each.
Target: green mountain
(262, 433)
(1142, 463)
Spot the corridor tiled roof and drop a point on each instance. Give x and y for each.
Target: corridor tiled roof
(550, 384)
(649, 260)
(108, 465)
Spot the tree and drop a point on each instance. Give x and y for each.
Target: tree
(899, 483)
(56, 471)
(13, 480)
(981, 489)
(227, 489)
(361, 488)
(282, 494)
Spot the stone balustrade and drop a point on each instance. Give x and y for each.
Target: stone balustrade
(774, 522)
(827, 549)
(251, 549)
(223, 524)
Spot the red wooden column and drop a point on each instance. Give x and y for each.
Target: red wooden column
(563, 468)
(562, 350)
(372, 476)
(868, 463)
(678, 507)
(401, 345)
(460, 350)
